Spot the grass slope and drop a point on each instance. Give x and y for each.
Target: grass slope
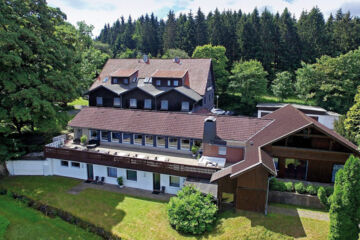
(79, 101)
(136, 218)
(27, 223)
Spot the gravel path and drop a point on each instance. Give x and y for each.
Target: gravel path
(300, 212)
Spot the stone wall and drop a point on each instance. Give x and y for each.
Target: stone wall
(295, 199)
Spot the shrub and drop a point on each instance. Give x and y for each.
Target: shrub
(311, 189)
(4, 223)
(329, 190)
(194, 149)
(323, 197)
(277, 185)
(83, 139)
(289, 186)
(300, 188)
(191, 211)
(120, 181)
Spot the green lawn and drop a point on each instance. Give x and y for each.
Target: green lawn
(136, 218)
(273, 99)
(27, 223)
(79, 101)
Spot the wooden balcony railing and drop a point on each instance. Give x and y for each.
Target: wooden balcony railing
(129, 162)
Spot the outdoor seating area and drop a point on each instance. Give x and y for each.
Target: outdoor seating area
(97, 180)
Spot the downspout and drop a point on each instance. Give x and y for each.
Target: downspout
(267, 195)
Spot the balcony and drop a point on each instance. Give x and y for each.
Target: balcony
(137, 159)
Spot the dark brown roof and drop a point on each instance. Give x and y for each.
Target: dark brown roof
(286, 121)
(198, 70)
(169, 74)
(166, 123)
(123, 73)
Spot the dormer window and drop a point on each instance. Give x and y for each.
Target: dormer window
(117, 102)
(147, 104)
(158, 83)
(185, 106)
(115, 80)
(133, 103)
(126, 81)
(99, 101)
(169, 83)
(176, 83)
(164, 104)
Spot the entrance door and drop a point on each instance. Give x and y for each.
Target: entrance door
(156, 181)
(90, 171)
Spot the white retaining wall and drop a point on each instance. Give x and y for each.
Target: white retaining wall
(52, 166)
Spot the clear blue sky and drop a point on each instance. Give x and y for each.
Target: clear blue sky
(99, 12)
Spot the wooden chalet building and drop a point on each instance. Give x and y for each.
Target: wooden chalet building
(155, 84)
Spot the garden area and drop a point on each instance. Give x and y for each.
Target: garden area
(121, 214)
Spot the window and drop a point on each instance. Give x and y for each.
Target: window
(198, 143)
(93, 134)
(185, 106)
(185, 144)
(115, 137)
(176, 83)
(164, 104)
(173, 142)
(126, 138)
(295, 169)
(75, 164)
(147, 103)
(174, 181)
(133, 103)
(336, 168)
(117, 102)
(104, 136)
(138, 139)
(111, 172)
(115, 80)
(160, 142)
(64, 163)
(99, 101)
(158, 83)
(222, 150)
(169, 83)
(149, 140)
(276, 163)
(126, 81)
(131, 175)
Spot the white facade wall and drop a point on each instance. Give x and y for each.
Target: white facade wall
(52, 166)
(326, 120)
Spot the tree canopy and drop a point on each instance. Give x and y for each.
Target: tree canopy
(282, 86)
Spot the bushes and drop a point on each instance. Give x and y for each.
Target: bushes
(4, 223)
(300, 188)
(289, 186)
(311, 189)
(192, 212)
(323, 197)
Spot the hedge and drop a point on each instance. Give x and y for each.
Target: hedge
(323, 194)
(4, 223)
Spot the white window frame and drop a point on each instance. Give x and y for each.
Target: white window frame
(222, 150)
(124, 138)
(112, 139)
(101, 137)
(75, 163)
(181, 144)
(176, 83)
(182, 106)
(174, 185)
(152, 143)
(157, 142)
(99, 99)
(132, 101)
(169, 83)
(167, 105)
(117, 105)
(177, 143)
(158, 83)
(91, 136)
(141, 139)
(108, 172)
(147, 101)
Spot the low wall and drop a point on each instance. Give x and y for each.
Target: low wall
(295, 199)
(29, 167)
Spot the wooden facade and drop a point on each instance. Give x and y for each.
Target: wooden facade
(174, 99)
(140, 97)
(170, 168)
(107, 96)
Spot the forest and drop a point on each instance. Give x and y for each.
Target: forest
(279, 41)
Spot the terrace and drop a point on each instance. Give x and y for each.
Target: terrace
(63, 147)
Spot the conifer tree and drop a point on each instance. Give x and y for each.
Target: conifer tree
(201, 29)
(170, 32)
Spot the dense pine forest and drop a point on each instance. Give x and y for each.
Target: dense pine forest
(279, 41)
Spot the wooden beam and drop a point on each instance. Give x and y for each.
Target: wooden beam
(311, 135)
(308, 154)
